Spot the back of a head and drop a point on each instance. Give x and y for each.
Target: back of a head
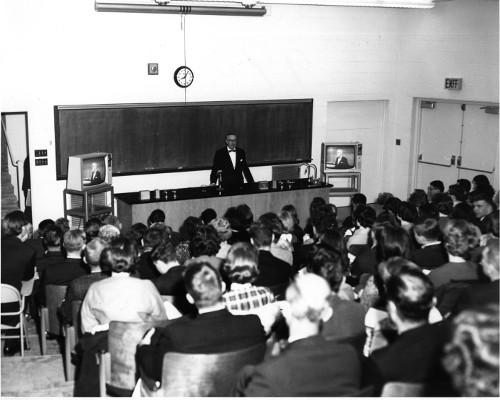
(246, 213)
(393, 266)
(44, 225)
(109, 233)
(383, 197)
(392, 241)
(204, 284)
(74, 240)
(358, 198)
(241, 264)
(208, 215)
(428, 210)
(93, 251)
(490, 260)
(112, 220)
(412, 293)
(458, 192)
(328, 264)
(437, 185)
(165, 252)
(364, 215)
(188, 227)
(136, 232)
(235, 218)
(308, 296)
(392, 205)
(205, 241)
(156, 216)
(91, 228)
(460, 238)
(120, 256)
(63, 223)
(13, 223)
(463, 211)
(273, 221)
(428, 228)
(443, 203)
(418, 197)
(481, 181)
(154, 236)
(261, 234)
(324, 218)
(223, 228)
(465, 183)
(315, 204)
(471, 356)
(53, 236)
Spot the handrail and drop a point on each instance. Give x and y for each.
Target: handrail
(14, 164)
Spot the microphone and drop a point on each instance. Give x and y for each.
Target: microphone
(219, 178)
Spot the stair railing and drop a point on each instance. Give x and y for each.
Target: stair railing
(15, 164)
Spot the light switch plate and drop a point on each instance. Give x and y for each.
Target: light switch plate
(153, 69)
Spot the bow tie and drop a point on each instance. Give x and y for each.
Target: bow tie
(231, 151)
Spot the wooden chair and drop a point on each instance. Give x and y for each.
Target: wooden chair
(14, 307)
(49, 320)
(403, 389)
(117, 366)
(200, 375)
(72, 334)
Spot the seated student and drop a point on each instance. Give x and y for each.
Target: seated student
(53, 239)
(224, 233)
(109, 233)
(460, 238)
(153, 237)
(208, 215)
(120, 297)
(483, 206)
(243, 296)
(238, 221)
(432, 253)
(310, 365)
(348, 317)
(279, 248)
(273, 271)
(91, 228)
(158, 217)
(444, 206)
(204, 246)
(171, 280)
(407, 214)
(414, 356)
(418, 197)
(39, 243)
(297, 232)
(471, 356)
(434, 187)
(186, 231)
(363, 217)
(63, 272)
(457, 194)
(480, 294)
(213, 330)
(78, 287)
(112, 220)
(349, 223)
(481, 184)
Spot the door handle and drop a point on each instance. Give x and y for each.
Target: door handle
(420, 157)
(459, 161)
(452, 161)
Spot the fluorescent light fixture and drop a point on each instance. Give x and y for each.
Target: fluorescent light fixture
(347, 3)
(180, 9)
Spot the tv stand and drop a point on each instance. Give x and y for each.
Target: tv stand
(345, 183)
(88, 203)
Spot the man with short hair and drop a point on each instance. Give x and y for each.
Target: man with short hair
(273, 271)
(63, 272)
(231, 164)
(432, 254)
(213, 330)
(415, 355)
(78, 287)
(153, 237)
(53, 239)
(434, 187)
(483, 205)
(310, 365)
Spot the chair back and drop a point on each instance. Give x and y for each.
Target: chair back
(403, 389)
(123, 338)
(54, 295)
(200, 375)
(448, 294)
(279, 290)
(10, 294)
(76, 306)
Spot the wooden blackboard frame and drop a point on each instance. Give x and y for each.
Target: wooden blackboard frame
(147, 138)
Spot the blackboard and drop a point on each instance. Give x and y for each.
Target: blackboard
(166, 137)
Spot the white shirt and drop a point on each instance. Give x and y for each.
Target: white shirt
(232, 155)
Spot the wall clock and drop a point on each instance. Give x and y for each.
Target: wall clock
(183, 76)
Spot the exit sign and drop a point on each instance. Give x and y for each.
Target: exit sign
(453, 83)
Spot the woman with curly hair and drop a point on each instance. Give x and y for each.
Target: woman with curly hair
(460, 239)
(471, 357)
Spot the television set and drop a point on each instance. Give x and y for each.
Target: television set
(341, 156)
(89, 171)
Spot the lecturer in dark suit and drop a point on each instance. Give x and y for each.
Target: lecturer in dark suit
(340, 161)
(232, 163)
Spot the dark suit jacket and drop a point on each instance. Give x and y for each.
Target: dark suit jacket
(145, 268)
(18, 261)
(365, 263)
(430, 257)
(273, 270)
(96, 179)
(415, 356)
(61, 273)
(477, 295)
(342, 163)
(231, 176)
(212, 332)
(307, 367)
(51, 257)
(76, 291)
(172, 284)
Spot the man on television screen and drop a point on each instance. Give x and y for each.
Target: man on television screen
(340, 160)
(95, 176)
(230, 164)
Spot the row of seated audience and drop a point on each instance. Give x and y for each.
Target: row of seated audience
(401, 291)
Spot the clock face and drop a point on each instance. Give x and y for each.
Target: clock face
(183, 76)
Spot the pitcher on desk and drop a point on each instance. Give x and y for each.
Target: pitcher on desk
(230, 165)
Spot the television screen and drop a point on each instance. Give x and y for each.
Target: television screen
(94, 171)
(340, 156)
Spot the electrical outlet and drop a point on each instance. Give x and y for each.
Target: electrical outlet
(153, 69)
(41, 161)
(40, 153)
